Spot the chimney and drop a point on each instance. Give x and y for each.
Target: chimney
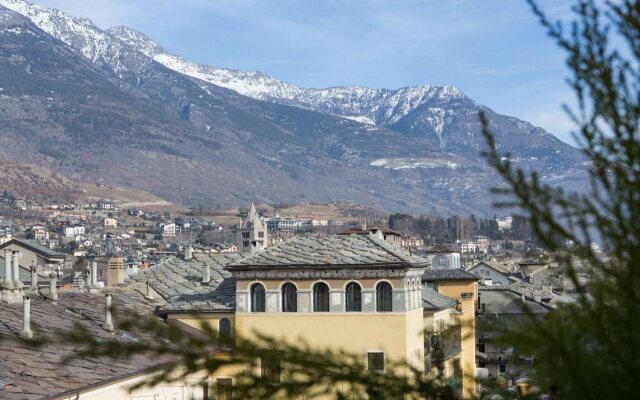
(8, 282)
(148, 295)
(94, 274)
(34, 275)
(87, 283)
(188, 252)
(53, 286)
(206, 274)
(16, 269)
(26, 319)
(108, 324)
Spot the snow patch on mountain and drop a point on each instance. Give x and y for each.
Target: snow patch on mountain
(411, 163)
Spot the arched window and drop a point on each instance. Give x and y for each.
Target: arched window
(384, 297)
(353, 297)
(320, 297)
(257, 298)
(289, 298)
(224, 328)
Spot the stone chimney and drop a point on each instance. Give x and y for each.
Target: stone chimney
(16, 269)
(53, 286)
(26, 318)
(188, 252)
(115, 271)
(108, 324)
(87, 272)
(206, 274)
(8, 282)
(94, 274)
(148, 294)
(34, 276)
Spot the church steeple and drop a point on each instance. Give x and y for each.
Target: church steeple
(253, 232)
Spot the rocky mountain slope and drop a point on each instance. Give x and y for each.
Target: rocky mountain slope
(37, 183)
(112, 105)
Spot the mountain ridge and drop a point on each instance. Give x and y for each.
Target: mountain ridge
(226, 147)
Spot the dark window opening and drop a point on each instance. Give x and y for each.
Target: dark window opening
(271, 367)
(353, 297)
(224, 389)
(224, 328)
(384, 297)
(375, 361)
(321, 297)
(257, 298)
(289, 298)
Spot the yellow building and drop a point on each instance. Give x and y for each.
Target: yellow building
(354, 293)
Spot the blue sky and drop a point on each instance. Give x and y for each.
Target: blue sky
(493, 50)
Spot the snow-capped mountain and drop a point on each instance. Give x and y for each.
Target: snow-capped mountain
(437, 106)
(196, 133)
(373, 106)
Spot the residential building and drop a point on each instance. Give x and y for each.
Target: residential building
(72, 231)
(355, 293)
(284, 225)
(491, 273)
(167, 230)
(110, 222)
(105, 204)
(504, 223)
(39, 233)
(443, 258)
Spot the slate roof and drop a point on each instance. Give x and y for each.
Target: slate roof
(432, 300)
(35, 373)
(335, 251)
(36, 248)
(431, 275)
(179, 282)
(493, 265)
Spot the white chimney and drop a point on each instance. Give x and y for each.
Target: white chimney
(94, 274)
(53, 286)
(188, 252)
(148, 294)
(26, 319)
(8, 282)
(16, 269)
(34, 275)
(108, 324)
(206, 274)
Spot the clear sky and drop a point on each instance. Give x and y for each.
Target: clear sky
(493, 50)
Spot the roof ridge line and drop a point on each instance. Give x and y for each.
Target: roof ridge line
(389, 248)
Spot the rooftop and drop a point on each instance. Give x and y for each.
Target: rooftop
(36, 372)
(179, 282)
(433, 275)
(432, 300)
(36, 247)
(335, 251)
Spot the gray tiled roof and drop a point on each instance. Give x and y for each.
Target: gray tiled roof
(36, 248)
(330, 251)
(38, 372)
(448, 275)
(179, 282)
(432, 300)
